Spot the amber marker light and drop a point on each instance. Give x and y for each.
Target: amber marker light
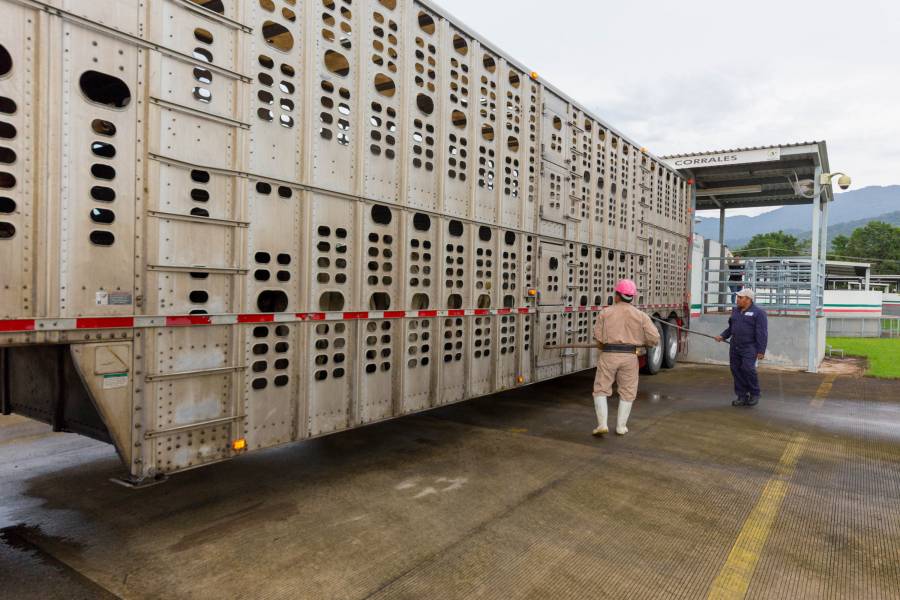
(520, 379)
(239, 444)
(534, 75)
(532, 292)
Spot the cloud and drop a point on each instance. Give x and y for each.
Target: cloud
(720, 75)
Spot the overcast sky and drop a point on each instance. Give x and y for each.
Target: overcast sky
(701, 75)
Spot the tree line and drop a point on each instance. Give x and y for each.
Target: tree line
(877, 242)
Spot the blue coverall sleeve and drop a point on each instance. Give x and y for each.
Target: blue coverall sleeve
(762, 333)
(727, 333)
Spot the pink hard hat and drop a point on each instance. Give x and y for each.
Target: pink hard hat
(626, 287)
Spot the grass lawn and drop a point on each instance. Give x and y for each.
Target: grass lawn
(883, 354)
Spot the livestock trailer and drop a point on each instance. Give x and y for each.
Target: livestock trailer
(227, 226)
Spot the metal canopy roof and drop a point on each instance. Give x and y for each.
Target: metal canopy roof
(753, 177)
(835, 269)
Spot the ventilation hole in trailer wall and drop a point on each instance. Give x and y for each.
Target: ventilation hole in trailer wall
(331, 301)
(484, 233)
(259, 384)
(283, 276)
(420, 301)
(5, 61)
(101, 171)
(285, 192)
(213, 5)
(200, 176)
(7, 155)
(261, 332)
(484, 301)
(421, 222)
(426, 23)
(102, 127)
(454, 301)
(199, 212)
(281, 380)
(203, 54)
(7, 180)
(105, 89)
(203, 36)
(557, 123)
(460, 44)
(458, 118)
(265, 114)
(381, 214)
(277, 36)
(199, 195)
(102, 238)
(425, 104)
(262, 275)
(7, 205)
(384, 85)
(199, 275)
(7, 230)
(288, 14)
(198, 297)
(272, 301)
(510, 238)
(7, 130)
(202, 94)
(554, 263)
(388, 4)
(514, 79)
(489, 63)
(102, 194)
(203, 75)
(103, 150)
(509, 301)
(102, 215)
(455, 228)
(487, 132)
(337, 63)
(379, 301)
(7, 105)
(260, 366)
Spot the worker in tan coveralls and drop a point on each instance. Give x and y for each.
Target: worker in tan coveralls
(622, 329)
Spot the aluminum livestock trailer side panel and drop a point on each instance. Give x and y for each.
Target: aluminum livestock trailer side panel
(226, 226)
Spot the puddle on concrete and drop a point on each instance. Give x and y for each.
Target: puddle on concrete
(28, 571)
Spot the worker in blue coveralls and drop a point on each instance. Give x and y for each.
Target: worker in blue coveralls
(748, 328)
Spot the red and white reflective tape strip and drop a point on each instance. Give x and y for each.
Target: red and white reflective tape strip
(83, 323)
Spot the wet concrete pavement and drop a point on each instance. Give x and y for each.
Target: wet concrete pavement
(502, 497)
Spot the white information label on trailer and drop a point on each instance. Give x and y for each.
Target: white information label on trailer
(724, 158)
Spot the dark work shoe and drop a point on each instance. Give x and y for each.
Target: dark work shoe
(752, 401)
(739, 401)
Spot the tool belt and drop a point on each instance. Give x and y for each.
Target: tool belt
(620, 348)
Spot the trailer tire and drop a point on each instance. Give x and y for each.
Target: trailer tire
(670, 345)
(654, 358)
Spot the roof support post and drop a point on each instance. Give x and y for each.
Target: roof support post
(721, 266)
(814, 268)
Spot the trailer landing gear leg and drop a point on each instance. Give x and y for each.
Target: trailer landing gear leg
(139, 484)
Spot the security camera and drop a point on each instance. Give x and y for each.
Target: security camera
(844, 182)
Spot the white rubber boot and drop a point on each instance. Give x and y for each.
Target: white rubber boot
(602, 414)
(622, 417)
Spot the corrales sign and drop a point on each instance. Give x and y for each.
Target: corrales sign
(724, 158)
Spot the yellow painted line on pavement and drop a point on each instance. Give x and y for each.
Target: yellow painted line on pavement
(734, 577)
(823, 391)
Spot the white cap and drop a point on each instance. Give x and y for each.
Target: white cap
(746, 292)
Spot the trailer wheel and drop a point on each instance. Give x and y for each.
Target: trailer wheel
(670, 345)
(655, 355)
